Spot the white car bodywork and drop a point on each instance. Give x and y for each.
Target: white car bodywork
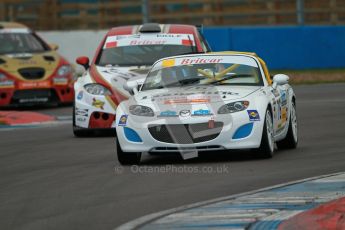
(86, 103)
(276, 97)
(116, 76)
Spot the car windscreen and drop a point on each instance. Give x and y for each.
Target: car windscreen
(139, 55)
(204, 70)
(12, 43)
(143, 49)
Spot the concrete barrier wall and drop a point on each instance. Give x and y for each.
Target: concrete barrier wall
(73, 44)
(306, 47)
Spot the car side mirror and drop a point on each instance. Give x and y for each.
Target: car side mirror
(134, 84)
(83, 61)
(280, 79)
(54, 46)
(131, 86)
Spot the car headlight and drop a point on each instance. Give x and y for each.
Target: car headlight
(3, 77)
(5, 81)
(97, 89)
(140, 110)
(233, 107)
(64, 70)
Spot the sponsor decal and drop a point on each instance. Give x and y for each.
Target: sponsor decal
(80, 95)
(149, 39)
(119, 37)
(284, 114)
(168, 62)
(60, 81)
(118, 73)
(123, 120)
(186, 101)
(229, 93)
(283, 98)
(170, 35)
(146, 42)
(7, 83)
(98, 103)
(253, 115)
(202, 112)
(168, 113)
(81, 119)
(187, 42)
(40, 84)
(185, 113)
(28, 100)
(110, 45)
(20, 55)
(194, 95)
(190, 61)
(81, 112)
(27, 62)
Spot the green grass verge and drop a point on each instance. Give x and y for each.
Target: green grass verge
(314, 76)
(317, 71)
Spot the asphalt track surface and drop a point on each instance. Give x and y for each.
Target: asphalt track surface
(51, 180)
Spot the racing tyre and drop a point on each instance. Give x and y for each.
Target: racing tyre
(127, 158)
(266, 149)
(80, 132)
(291, 139)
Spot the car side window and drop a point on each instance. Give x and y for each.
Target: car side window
(205, 46)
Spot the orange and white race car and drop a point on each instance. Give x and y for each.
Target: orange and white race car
(31, 71)
(126, 52)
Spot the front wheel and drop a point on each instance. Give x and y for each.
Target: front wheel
(291, 139)
(127, 158)
(266, 149)
(80, 132)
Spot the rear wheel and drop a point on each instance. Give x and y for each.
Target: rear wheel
(267, 141)
(291, 139)
(127, 158)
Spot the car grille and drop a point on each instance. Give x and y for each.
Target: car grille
(185, 133)
(176, 149)
(32, 73)
(34, 96)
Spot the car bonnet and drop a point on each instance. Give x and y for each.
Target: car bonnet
(195, 96)
(11, 63)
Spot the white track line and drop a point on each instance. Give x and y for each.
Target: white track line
(154, 216)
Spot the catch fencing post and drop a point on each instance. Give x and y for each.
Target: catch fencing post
(145, 11)
(300, 12)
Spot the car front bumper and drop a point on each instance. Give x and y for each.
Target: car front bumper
(138, 133)
(38, 96)
(93, 111)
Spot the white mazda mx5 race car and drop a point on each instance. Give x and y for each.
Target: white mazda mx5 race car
(207, 102)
